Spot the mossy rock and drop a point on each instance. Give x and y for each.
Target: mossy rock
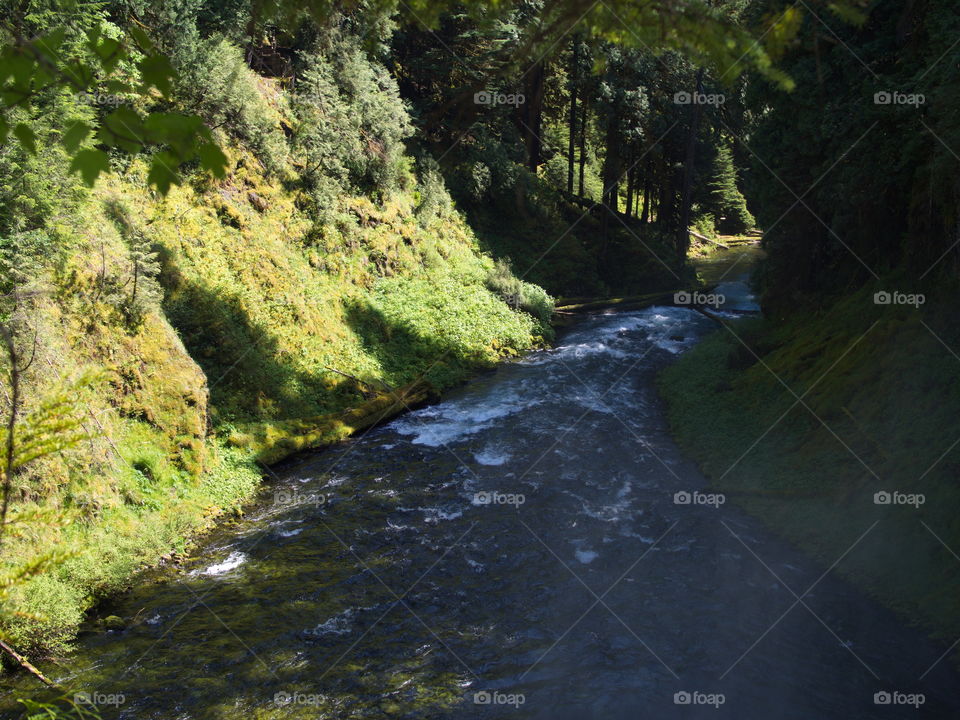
(114, 622)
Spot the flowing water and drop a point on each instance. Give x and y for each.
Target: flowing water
(534, 546)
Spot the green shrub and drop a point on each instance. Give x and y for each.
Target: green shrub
(444, 323)
(350, 125)
(54, 608)
(518, 294)
(433, 200)
(216, 82)
(706, 224)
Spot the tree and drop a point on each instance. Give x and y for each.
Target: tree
(726, 202)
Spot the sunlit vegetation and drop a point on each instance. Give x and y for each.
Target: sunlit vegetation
(234, 232)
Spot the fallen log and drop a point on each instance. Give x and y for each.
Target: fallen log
(706, 239)
(629, 302)
(28, 666)
(272, 442)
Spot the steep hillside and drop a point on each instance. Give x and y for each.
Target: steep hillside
(197, 332)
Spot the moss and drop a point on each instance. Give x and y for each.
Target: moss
(878, 388)
(266, 332)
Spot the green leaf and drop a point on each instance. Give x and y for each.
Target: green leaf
(157, 72)
(118, 87)
(178, 131)
(49, 45)
(72, 138)
(27, 138)
(109, 52)
(123, 128)
(20, 68)
(4, 130)
(90, 163)
(80, 75)
(212, 159)
(162, 172)
(846, 12)
(107, 48)
(141, 39)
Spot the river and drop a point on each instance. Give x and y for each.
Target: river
(533, 546)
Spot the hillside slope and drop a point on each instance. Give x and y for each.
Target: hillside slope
(193, 328)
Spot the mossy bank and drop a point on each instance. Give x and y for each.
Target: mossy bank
(814, 421)
(230, 322)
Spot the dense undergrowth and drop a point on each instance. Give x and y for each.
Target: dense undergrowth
(804, 420)
(326, 266)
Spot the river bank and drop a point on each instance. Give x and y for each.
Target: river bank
(831, 425)
(244, 347)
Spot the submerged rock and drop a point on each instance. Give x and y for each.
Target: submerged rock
(114, 622)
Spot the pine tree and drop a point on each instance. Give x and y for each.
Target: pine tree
(145, 269)
(726, 201)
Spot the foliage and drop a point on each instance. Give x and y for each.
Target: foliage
(91, 59)
(215, 80)
(65, 709)
(225, 301)
(726, 202)
(876, 179)
(519, 294)
(143, 289)
(878, 389)
(290, 248)
(350, 126)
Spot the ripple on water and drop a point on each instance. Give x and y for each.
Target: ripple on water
(492, 455)
(586, 556)
(442, 424)
(232, 562)
(339, 624)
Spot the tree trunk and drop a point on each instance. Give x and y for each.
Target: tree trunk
(683, 237)
(645, 217)
(583, 140)
(612, 164)
(571, 145)
(531, 114)
(666, 199)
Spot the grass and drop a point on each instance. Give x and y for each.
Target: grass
(879, 393)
